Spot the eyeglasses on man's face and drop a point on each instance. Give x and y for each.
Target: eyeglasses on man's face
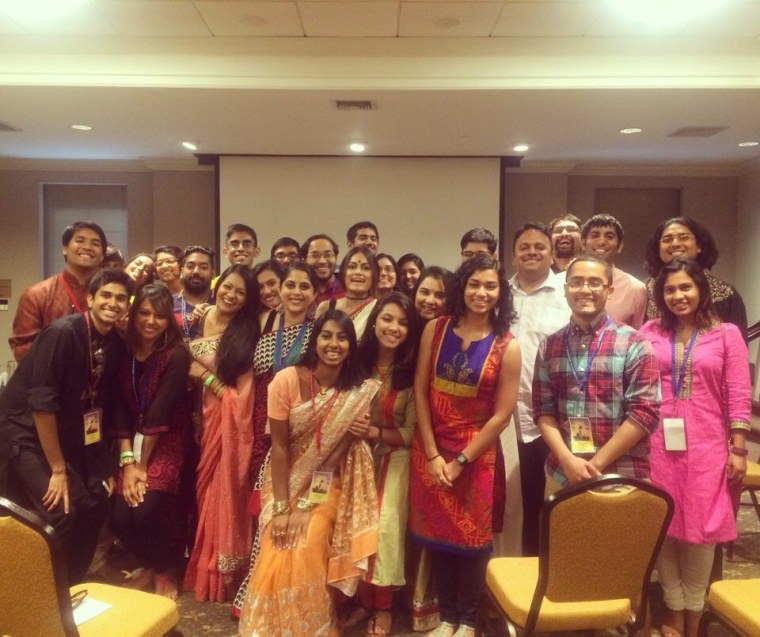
(594, 284)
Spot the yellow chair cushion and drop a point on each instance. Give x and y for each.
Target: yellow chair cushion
(738, 600)
(752, 479)
(512, 581)
(132, 612)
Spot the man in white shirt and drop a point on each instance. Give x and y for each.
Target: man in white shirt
(539, 300)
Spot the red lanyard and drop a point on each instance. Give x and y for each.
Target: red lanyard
(327, 408)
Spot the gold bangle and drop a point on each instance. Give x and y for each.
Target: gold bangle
(280, 507)
(304, 504)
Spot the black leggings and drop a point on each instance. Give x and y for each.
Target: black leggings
(460, 582)
(147, 531)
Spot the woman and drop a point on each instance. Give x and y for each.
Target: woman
(140, 269)
(388, 352)
(152, 421)
(387, 275)
(410, 266)
(430, 292)
(222, 364)
(465, 388)
(684, 237)
(166, 262)
(705, 403)
(268, 277)
(319, 515)
(358, 276)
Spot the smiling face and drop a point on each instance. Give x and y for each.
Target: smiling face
(84, 251)
(149, 325)
(297, 293)
(681, 295)
(167, 267)
(139, 269)
(108, 306)
(603, 243)
(409, 273)
(230, 297)
(241, 248)
(586, 290)
(365, 238)
(481, 292)
(332, 344)
(532, 255)
(566, 239)
(678, 241)
(430, 299)
(358, 276)
(391, 327)
(269, 289)
(387, 275)
(322, 258)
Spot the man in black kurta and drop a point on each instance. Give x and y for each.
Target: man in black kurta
(60, 463)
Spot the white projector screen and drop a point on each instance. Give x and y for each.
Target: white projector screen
(420, 205)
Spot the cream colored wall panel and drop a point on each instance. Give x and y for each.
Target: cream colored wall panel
(448, 19)
(349, 19)
(158, 18)
(739, 20)
(251, 18)
(82, 22)
(545, 19)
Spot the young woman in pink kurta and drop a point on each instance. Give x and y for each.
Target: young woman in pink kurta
(706, 403)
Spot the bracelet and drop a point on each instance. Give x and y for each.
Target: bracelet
(125, 462)
(219, 390)
(304, 504)
(280, 507)
(739, 451)
(209, 379)
(438, 455)
(126, 454)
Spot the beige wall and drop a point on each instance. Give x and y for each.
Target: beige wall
(162, 206)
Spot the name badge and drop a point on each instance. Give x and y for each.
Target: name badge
(581, 438)
(93, 420)
(320, 487)
(674, 430)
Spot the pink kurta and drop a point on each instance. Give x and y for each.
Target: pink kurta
(711, 398)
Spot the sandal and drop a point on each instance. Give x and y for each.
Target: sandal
(379, 624)
(445, 629)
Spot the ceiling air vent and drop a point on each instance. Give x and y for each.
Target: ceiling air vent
(5, 127)
(698, 131)
(355, 105)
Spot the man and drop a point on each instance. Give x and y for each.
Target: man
(50, 420)
(363, 235)
(596, 388)
(478, 241)
(566, 240)
(602, 237)
(241, 245)
(84, 244)
(321, 253)
(196, 275)
(538, 298)
(285, 250)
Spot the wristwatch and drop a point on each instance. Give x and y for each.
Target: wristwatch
(462, 460)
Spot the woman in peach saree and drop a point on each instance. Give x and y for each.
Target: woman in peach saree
(311, 545)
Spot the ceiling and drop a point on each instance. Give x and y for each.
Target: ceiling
(444, 78)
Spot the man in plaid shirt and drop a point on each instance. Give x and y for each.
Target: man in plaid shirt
(596, 388)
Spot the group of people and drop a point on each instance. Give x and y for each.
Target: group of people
(290, 424)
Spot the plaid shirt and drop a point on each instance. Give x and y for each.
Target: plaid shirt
(624, 384)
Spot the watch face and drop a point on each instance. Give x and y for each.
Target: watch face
(462, 459)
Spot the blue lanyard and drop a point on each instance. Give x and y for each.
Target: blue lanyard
(185, 325)
(679, 379)
(279, 363)
(590, 356)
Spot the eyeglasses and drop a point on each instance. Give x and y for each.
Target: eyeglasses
(248, 244)
(316, 256)
(683, 237)
(286, 256)
(575, 284)
(571, 229)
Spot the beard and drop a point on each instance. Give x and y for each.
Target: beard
(196, 285)
(564, 250)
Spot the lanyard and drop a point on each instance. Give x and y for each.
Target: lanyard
(327, 408)
(679, 379)
(74, 303)
(185, 322)
(590, 356)
(96, 366)
(139, 390)
(279, 361)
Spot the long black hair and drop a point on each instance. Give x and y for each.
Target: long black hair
(705, 315)
(405, 356)
(350, 372)
(161, 299)
(707, 257)
(235, 354)
(503, 314)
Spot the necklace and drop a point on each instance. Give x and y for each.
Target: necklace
(322, 389)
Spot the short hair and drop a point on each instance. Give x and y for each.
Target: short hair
(707, 257)
(71, 230)
(410, 256)
(161, 300)
(302, 266)
(284, 242)
(372, 264)
(503, 314)
(175, 251)
(566, 217)
(241, 227)
(316, 237)
(350, 372)
(587, 258)
(269, 264)
(705, 314)
(599, 221)
(105, 276)
(479, 235)
(112, 253)
(193, 249)
(532, 225)
(354, 230)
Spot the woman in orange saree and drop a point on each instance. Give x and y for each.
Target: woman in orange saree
(319, 504)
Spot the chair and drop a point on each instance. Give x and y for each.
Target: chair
(36, 601)
(734, 603)
(598, 543)
(750, 484)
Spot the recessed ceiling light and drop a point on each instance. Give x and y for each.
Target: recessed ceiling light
(357, 148)
(81, 127)
(190, 145)
(630, 131)
(664, 12)
(748, 144)
(520, 148)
